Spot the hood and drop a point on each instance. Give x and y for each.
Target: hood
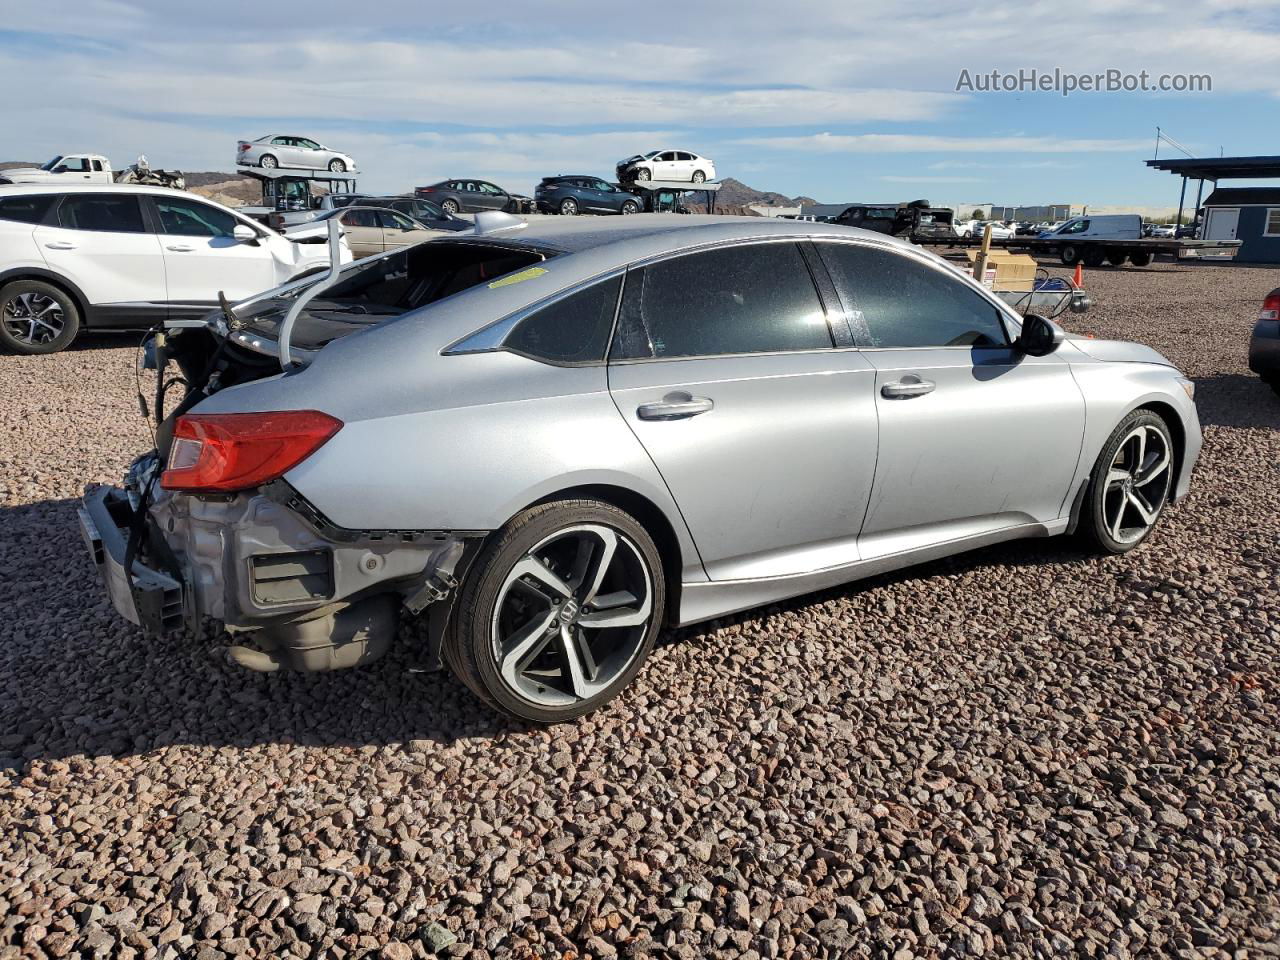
(14, 172)
(1117, 351)
(623, 163)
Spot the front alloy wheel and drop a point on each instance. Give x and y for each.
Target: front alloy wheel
(559, 613)
(337, 166)
(1131, 483)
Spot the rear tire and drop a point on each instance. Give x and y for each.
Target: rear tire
(268, 162)
(1116, 259)
(1130, 484)
(450, 206)
(699, 177)
(1093, 258)
(522, 637)
(1140, 259)
(568, 207)
(37, 318)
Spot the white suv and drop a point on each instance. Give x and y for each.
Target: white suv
(130, 257)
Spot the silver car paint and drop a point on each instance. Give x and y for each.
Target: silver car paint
(467, 441)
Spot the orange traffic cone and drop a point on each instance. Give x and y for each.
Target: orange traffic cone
(1078, 279)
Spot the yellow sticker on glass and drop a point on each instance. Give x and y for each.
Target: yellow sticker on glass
(520, 277)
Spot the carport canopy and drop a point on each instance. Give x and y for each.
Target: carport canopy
(1214, 169)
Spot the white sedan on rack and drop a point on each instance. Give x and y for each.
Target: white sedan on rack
(281, 150)
(666, 165)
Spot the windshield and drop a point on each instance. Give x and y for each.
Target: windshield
(651, 154)
(52, 163)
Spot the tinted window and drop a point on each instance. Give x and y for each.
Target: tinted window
(680, 155)
(189, 218)
(360, 218)
(574, 329)
(755, 298)
(113, 213)
(25, 209)
(908, 304)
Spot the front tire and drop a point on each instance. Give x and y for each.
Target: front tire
(630, 207)
(37, 318)
(337, 166)
(644, 174)
(268, 162)
(559, 612)
(1130, 484)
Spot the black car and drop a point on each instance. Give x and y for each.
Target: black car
(914, 221)
(424, 211)
(472, 196)
(1264, 345)
(573, 194)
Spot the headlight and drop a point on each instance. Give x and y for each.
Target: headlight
(1188, 387)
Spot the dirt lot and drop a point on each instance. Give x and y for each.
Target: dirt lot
(1025, 751)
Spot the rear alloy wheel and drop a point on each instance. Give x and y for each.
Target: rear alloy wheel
(630, 206)
(568, 207)
(699, 177)
(337, 166)
(268, 162)
(559, 612)
(451, 206)
(36, 318)
(1130, 484)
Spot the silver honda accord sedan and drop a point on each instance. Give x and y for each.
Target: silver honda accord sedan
(538, 447)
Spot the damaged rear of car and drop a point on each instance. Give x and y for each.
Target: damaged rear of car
(208, 525)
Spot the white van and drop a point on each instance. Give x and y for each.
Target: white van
(1114, 226)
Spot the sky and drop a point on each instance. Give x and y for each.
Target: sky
(841, 100)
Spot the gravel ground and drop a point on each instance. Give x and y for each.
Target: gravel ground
(1025, 751)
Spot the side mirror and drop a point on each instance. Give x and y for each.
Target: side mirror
(243, 233)
(1040, 336)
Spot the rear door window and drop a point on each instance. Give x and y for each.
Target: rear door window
(573, 329)
(900, 302)
(26, 209)
(748, 298)
(105, 212)
(190, 218)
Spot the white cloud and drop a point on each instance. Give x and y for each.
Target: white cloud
(924, 143)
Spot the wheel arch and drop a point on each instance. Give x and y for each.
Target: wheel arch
(18, 274)
(649, 515)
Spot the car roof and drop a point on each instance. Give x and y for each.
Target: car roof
(21, 188)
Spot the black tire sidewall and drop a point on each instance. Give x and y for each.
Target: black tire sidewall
(468, 646)
(634, 207)
(337, 166)
(1095, 524)
(70, 315)
(1069, 255)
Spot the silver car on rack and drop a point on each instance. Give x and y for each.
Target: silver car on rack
(550, 443)
(277, 150)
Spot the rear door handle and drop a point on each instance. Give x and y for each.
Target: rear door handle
(907, 387)
(180, 247)
(674, 406)
(60, 245)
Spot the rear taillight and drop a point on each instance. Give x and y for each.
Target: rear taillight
(243, 146)
(223, 452)
(1270, 307)
(426, 190)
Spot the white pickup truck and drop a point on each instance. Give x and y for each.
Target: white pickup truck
(92, 168)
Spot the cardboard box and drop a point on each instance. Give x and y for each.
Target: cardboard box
(1006, 271)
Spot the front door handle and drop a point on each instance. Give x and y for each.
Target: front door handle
(674, 406)
(180, 247)
(906, 388)
(60, 245)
